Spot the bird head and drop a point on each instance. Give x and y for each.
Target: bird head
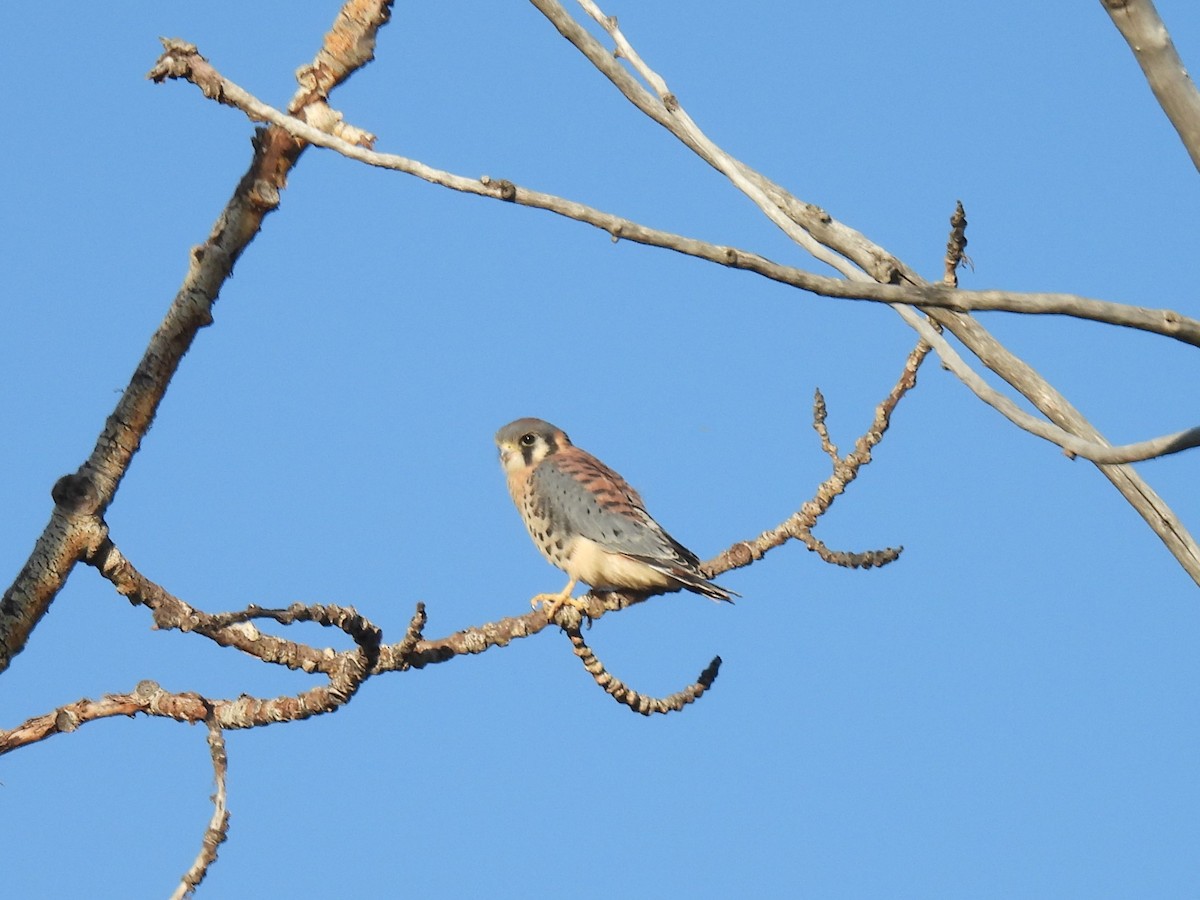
(526, 442)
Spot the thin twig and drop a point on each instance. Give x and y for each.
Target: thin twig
(641, 703)
(218, 826)
(956, 246)
(799, 525)
(1160, 321)
(819, 415)
(1073, 445)
(1157, 321)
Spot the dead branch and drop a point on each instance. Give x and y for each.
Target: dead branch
(1148, 38)
(75, 527)
(1087, 441)
(218, 826)
(956, 246)
(1165, 322)
(641, 703)
(799, 525)
(880, 265)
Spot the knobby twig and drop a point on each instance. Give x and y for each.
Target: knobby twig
(147, 698)
(641, 703)
(349, 669)
(956, 246)
(229, 629)
(218, 826)
(345, 671)
(799, 525)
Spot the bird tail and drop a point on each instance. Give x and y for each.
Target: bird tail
(698, 584)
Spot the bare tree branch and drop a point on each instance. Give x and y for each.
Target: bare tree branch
(76, 525)
(77, 530)
(1162, 520)
(218, 826)
(1157, 321)
(956, 246)
(347, 670)
(148, 698)
(227, 630)
(1013, 370)
(884, 267)
(1148, 38)
(641, 703)
(799, 525)
(1157, 514)
(1074, 446)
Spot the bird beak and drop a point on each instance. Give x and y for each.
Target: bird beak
(505, 454)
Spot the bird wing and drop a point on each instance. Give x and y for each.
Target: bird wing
(578, 494)
(584, 496)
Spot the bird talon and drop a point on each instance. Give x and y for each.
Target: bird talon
(552, 603)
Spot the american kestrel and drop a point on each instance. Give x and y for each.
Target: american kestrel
(588, 521)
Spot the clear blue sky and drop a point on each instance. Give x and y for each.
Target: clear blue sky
(1013, 709)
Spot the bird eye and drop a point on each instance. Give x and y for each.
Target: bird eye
(528, 440)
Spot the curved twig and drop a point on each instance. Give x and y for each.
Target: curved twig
(225, 629)
(640, 703)
(1101, 453)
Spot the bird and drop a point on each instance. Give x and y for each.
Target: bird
(588, 521)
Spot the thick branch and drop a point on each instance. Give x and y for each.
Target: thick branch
(348, 46)
(1148, 38)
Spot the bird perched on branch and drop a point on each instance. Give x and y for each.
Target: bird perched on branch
(588, 521)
